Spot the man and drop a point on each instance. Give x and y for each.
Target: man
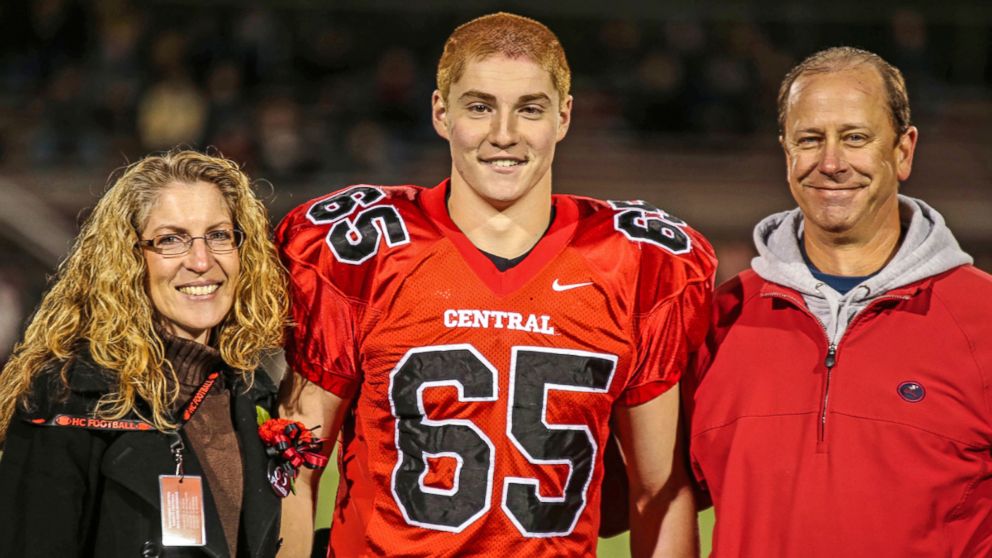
(473, 338)
(841, 405)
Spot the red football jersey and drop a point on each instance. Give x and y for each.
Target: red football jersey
(483, 398)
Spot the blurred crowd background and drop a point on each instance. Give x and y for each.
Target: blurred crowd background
(674, 104)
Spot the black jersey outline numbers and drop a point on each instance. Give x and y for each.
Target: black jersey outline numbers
(546, 370)
(642, 222)
(419, 438)
(536, 371)
(354, 239)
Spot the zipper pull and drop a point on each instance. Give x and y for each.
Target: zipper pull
(831, 359)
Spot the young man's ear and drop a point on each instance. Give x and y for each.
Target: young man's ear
(564, 118)
(439, 114)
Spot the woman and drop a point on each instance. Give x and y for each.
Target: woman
(139, 363)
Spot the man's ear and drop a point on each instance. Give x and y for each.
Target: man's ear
(785, 150)
(439, 114)
(905, 148)
(564, 118)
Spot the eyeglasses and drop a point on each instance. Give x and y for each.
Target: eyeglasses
(220, 241)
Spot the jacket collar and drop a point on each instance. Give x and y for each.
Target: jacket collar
(769, 288)
(927, 249)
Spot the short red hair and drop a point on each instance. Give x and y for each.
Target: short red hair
(512, 36)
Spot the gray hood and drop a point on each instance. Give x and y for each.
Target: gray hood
(928, 248)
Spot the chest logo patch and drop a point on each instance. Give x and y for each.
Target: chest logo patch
(561, 287)
(913, 392)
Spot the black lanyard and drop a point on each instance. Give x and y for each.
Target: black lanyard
(132, 425)
(176, 446)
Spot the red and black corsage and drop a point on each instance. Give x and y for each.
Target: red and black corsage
(289, 445)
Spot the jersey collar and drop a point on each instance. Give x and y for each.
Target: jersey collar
(503, 283)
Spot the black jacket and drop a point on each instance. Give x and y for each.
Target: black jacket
(67, 492)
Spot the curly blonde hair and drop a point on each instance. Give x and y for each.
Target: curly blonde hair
(98, 294)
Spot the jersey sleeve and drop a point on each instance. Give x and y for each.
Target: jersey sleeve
(675, 323)
(320, 342)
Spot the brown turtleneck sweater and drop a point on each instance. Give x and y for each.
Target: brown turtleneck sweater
(211, 430)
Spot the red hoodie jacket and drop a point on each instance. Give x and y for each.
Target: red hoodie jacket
(881, 448)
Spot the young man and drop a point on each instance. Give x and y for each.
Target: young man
(474, 337)
(841, 405)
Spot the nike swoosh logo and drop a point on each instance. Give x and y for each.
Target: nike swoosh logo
(558, 287)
